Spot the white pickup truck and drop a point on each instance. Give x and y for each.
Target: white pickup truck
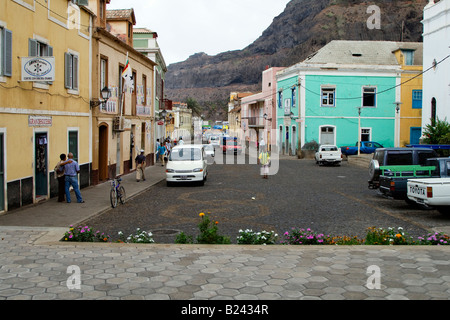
(328, 154)
(430, 192)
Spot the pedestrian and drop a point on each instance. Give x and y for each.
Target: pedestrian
(181, 142)
(264, 160)
(59, 175)
(262, 145)
(162, 154)
(71, 170)
(140, 166)
(156, 149)
(168, 147)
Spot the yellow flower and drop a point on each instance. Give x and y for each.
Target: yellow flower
(398, 235)
(201, 214)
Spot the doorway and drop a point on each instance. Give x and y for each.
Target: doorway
(41, 164)
(327, 135)
(2, 173)
(103, 153)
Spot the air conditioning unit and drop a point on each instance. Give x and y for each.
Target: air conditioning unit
(118, 124)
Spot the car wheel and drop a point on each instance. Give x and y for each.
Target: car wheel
(374, 169)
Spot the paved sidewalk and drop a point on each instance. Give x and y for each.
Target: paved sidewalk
(34, 264)
(52, 213)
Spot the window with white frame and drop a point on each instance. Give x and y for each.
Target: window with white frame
(71, 71)
(369, 97)
(328, 97)
(293, 94)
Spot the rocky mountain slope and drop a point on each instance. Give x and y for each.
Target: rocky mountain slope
(304, 27)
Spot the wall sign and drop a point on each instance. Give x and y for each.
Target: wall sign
(38, 69)
(39, 121)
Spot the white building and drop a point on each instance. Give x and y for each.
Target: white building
(436, 51)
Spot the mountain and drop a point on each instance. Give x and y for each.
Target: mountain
(304, 27)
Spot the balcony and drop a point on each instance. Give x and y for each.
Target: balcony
(255, 122)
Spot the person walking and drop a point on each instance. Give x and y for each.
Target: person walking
(59, 175)
(264, 160)
(71, 170)
(140, 166)
(162, 153)
(157, 149)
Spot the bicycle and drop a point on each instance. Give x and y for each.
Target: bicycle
(117, 192)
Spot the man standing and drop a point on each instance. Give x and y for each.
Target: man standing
(59, 172)
(71, 170)
(140, 166)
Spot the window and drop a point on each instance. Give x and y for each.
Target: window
(103, 73)
(293, 94)
(433, 112)
(5, 52)
(408, 57)
(328, 95)
(417, 99)
(39, 48)
(144, 90)
(369, 97)
(71, 71)
(280, 99)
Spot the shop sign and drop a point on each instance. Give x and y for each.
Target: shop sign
(39, 121)
(38, 69)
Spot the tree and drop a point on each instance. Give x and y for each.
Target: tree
(194, 106)
(437, 134)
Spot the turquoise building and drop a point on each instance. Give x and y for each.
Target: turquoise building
(346, 91)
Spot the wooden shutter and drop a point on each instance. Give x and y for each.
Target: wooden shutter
(32, 48)
(68, 70)
(75, 72)
(7, 57)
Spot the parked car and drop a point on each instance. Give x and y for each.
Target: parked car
(328, 154)
(230, 145)
(394, 179)
(431, 192)
(209, 152)
(187, 163)
(390, 158)
(366, 147)
(214, 140)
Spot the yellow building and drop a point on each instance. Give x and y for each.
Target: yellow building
(45, 95)
(124, 124)
(409, 56)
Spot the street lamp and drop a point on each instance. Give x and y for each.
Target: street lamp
(105, 94)
(397, 122)
(359, 130)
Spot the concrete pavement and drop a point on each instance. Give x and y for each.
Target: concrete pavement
(34, 264)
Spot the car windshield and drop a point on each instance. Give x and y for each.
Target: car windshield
(186, 154)
(330, 148)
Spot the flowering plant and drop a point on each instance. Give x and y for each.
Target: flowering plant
(84, 234)
(434, 239)
(250, 237)
(209, 231)
(139, 237)
(299, 236)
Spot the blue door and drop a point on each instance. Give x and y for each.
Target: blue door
(415, 134)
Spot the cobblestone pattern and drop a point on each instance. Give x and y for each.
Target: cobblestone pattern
(30, 270)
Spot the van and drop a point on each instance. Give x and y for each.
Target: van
(187, 163)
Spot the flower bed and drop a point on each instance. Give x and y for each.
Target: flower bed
(209, 234)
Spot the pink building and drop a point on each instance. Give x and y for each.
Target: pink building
(258, 111)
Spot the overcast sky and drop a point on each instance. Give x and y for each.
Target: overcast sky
(186, 27)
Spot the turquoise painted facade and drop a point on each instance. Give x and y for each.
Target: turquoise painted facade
(337, 120)
(324, 107)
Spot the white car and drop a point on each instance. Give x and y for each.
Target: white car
(214, 140)
(328, 154)
(209, 152)
(187, 163)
